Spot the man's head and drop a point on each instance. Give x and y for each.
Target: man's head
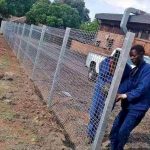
(136, 54)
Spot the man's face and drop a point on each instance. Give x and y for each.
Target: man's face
(135, 57)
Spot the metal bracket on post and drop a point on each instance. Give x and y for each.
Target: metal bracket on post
(19, 48)
(38, 50)
(27, 46)
(113, 91)
(63, 48)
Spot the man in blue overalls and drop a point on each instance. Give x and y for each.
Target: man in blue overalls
(106, 72)
(134, 94)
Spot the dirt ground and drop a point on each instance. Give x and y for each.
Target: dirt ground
(27, 124)
(25, 121)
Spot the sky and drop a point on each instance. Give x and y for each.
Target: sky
(115, 6)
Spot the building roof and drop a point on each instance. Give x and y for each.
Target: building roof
(17, 19)
(142, 19)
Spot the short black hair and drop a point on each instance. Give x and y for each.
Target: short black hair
(139, 48)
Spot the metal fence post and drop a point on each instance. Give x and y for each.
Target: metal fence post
(10, 33)
(63, 48)
(113, 91)
(38, 50)
(13, 32)
(5, 30)
(16, 36)
(27, 46)
(2, 26)
(21, 40)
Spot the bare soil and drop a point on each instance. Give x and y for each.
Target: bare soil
(27, 124)
(25, 121)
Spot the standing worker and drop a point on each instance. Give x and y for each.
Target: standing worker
(106, 72)
(135, 99)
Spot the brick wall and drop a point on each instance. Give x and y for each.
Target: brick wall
(102, 36)
(103, 46)
(145, 43)
(111, 29)
(86, 48)
(103, 49)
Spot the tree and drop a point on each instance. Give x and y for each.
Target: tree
(38, 13)
(90, 26)
(3, 8)
(19, 7)
(56, 15)
(79, 5)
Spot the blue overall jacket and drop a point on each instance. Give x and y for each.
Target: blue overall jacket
(137, 88)
(100, 93)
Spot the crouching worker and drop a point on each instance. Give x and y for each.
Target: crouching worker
(134, 94)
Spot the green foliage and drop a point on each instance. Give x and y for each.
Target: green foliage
(56, 15)
(3, 8)
(79, 5)
(19, 7)
(15, 7)
(90, 26)
(38, 12)
(54, 21)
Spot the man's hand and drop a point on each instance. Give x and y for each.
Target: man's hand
(120, 97)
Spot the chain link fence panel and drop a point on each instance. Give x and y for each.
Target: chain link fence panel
(77, 73)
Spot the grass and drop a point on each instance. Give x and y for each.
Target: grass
(5, 112)
(4, 61)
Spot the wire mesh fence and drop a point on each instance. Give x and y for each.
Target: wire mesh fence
(77, 72)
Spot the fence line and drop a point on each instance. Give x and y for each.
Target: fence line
(38, 50)
(113, 90)
(61, 73)
(62, 51)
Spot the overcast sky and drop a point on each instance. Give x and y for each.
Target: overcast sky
(115, 6)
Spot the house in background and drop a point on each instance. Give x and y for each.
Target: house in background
(110, 35)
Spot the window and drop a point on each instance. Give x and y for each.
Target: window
(109, 43)
(145, 35)
(98, 43)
